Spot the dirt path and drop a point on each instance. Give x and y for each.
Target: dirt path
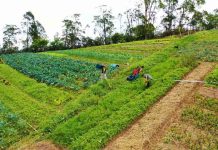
(208, 92)
(149, 129)
(43, 145)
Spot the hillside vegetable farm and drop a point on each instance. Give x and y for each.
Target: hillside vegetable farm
(54, 71)
(58, 96)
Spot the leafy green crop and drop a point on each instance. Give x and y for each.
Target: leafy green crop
(54, 70)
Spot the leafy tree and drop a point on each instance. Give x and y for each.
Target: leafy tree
(211, 20)
(87, 41)
(169, 7)
(99, 41)
(130, 17)
(39, 44)
(57, 43)
(138, 14)
(150, 8)
(197, 20)
(32, 28)
(72, 31)
(9, 40)
(120, 16)
(104, 24)
(118, 38)
(186, 9)
(140, 31)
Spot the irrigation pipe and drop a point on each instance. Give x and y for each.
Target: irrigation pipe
(190, 81)
(32, 127)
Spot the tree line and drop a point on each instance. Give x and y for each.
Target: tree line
(178, 17)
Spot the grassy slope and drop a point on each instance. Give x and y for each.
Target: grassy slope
(113, 109)
(105, 116)
(116, 53)
(105, 109)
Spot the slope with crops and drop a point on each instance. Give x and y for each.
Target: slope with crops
(117, 53)
(90, 117)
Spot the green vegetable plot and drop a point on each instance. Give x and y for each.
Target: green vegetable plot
(54, 70)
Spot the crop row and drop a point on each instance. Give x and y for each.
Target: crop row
(12, 127)
(117, 57)
(55, 71)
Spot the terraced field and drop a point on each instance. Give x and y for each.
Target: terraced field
(59, 97)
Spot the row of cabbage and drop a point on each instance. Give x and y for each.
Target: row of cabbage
(56, 71)
(12, 128)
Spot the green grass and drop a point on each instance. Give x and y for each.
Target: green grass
(23, 104)
(212, 78)
(12, 127)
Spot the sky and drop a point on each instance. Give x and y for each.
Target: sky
(51, 13)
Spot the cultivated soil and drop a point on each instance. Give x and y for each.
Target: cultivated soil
(43, 145)
(147, 131)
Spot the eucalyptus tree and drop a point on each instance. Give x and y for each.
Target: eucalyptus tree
(32, 28)
(104, 25)
(150, 10)
(10, 37)
(188, 14)
(169, 7)
(72, 32)
(120, 17)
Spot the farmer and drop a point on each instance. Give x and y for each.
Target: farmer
(148, 79)
(1, 61)
(137, 70)
(103, 70)
(135, 73)
(114, 66)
